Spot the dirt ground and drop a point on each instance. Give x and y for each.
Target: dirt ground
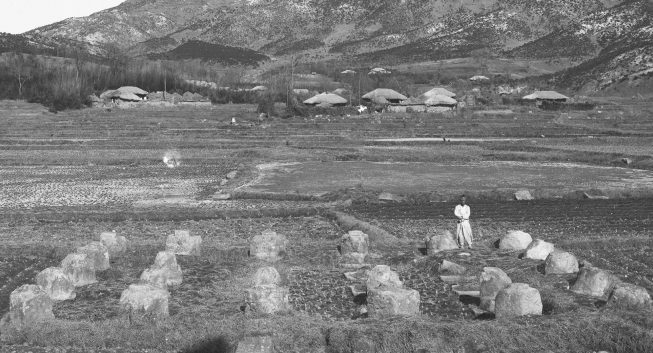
(67, 177)
(405, 178)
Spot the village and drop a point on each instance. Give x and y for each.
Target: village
(379, 100)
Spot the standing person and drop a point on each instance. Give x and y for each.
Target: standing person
(464, 230)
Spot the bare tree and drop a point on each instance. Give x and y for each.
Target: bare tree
(117, 59)
(481, 57)
(79, 61)
(21, 68)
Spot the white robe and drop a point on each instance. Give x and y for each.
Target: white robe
(463, 230)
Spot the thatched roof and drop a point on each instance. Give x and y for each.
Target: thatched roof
(133, 90)
(302, 91)
(545, 95)
(259, 88)
(93, 98)
(479, 78)
(380, 100)
(326, 98)
(192, 97)
(155, 95)
(437, 91)
(386, 93)
(440, 100)
(413, 101)
(175, 97)
(117, 94)
(112, 93)
(129, 97)
(378, 70)
(348, 72)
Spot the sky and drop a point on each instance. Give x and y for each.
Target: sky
(18, 16)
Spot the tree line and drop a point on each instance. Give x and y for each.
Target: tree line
(67, 83)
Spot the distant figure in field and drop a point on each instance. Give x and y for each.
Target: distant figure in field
(464, 230)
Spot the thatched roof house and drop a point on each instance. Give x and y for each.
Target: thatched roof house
(106, 95)
(479, 78)
(379, 100)
(174, 97)
(378, 70)
(127, 97)
(259, 89)
(412, 104)
(437, 91)
(125, 93)
(133, 90)
(552, 96)
(301, 91)
(412, 101)
(326, 99)
(441, 101)
(384, 96)
(192, 97)
(155, 96)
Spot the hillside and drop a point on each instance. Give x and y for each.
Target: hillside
(604, 34)
(223, 54)
(340, 26)
(18, 43)
(618, 42)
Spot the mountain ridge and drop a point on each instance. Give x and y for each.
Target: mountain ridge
(373, 31)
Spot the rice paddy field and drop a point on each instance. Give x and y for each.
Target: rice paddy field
(67, 177)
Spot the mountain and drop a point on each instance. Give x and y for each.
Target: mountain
(19, 43)
(619, 42)
(339, 26)
(40, 45)
(375, 31)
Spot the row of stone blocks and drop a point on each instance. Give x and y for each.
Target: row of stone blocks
(386, 295)
(149, 298)
(271, 247)
(33, 303)
(589, 281)
(267, 295)
(519, 298)
(507, 299)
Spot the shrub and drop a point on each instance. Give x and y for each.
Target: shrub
(224, 96)
(295, 108)
(266, 104)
